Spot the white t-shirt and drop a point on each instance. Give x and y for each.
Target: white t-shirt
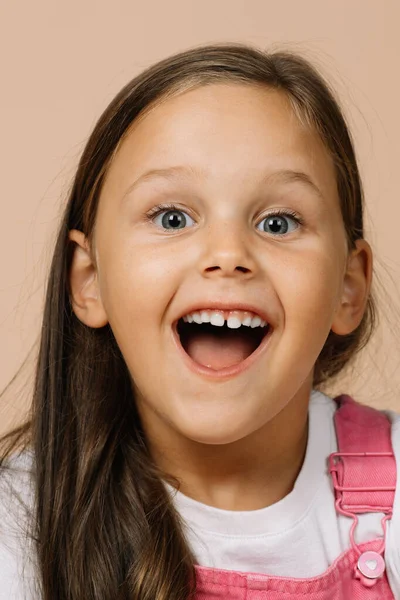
(299, 536)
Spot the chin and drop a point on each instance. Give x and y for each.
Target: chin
(214, 435)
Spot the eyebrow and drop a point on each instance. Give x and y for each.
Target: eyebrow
(186, 172)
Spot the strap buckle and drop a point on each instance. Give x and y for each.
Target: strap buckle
(339, 489)
(334, 467)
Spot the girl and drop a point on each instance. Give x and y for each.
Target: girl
(210, 274)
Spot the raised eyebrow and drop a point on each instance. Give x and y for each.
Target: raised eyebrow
(189, 172)
(169, 173)
(291, 176)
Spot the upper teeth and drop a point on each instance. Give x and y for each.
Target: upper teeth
(234, 319)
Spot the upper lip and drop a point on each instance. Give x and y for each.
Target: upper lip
(213, 305)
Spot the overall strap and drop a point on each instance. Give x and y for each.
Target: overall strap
(364, 476)
(364, 468)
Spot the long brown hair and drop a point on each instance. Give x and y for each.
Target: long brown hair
(105, 527)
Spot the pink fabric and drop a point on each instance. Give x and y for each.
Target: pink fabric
(373, 428)
(337, 583)
(359, 429)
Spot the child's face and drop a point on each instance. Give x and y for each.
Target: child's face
(231, 137)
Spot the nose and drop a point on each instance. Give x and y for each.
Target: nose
(227, 252)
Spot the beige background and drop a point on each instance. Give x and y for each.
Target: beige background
(62, 62)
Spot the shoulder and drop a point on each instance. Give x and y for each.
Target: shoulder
(16, 505)
(16, 483)
(392, 553)
(394, 418)
(321, 408)
(327, 406)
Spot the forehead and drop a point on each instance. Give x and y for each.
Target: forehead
(231, 132)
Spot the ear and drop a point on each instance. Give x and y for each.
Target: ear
(356, 289)
(83, 279)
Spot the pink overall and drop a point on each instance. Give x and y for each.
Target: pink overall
(364, 479)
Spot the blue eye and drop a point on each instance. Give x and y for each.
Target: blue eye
(277, 223)
(172, 219)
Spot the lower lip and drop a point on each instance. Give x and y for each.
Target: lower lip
(228, 372)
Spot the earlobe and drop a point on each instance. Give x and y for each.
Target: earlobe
(356, 289)
(83, 282)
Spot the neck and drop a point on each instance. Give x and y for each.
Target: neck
(254, 472)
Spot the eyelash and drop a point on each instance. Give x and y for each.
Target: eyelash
(160, 208)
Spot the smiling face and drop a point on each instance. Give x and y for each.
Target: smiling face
(236, 148)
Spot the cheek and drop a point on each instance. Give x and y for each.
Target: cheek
(310, 290)
(135, 283)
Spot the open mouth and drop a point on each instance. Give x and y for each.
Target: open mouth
(219, 347)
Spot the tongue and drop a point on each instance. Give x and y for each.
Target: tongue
(218, 351)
